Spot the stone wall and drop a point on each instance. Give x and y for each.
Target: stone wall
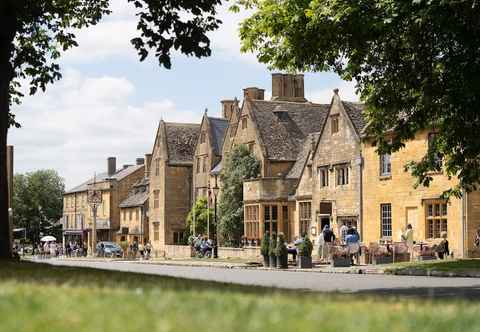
(267, 189)
(173, 251)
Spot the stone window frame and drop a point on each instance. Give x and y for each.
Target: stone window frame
(156, 231)
(198, 165)
(157, 167)
(203, 136)
(323, 176)
(386, 218)
(244, 122)
(436, 218)
(156, 199)
(178, 237)
(304, 216)
(334, 123)
(270, 218)
(252, 222)
(385, 165)
(342, 175)
(204, 164)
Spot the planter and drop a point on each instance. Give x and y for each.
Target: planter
(282, 262)
(304, 262)
(266, 261)
(341, 261)
(382, 260)
(272, 261)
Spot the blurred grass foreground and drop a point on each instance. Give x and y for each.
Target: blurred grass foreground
(38, 297)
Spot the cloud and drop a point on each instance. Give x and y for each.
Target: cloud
(324, 96)
(80, 121)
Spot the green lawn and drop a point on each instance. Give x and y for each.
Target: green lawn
(460, 265)
(44, 298)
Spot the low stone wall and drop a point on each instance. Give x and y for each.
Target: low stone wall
(173, 251)
(244, 253)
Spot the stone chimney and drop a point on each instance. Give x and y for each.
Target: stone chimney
(254, 93)
(148, 161)
(228, 107)
(111, 166)
(140, 161)
(288, 87)
(125, 166)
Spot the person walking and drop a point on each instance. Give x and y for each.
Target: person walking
(148, 250)
(352, 239)
(442, 248)
(343, 232)
(328, 238)
(141, 250)
(407, 237)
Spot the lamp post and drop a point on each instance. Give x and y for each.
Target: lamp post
(215, 238)
(94, 198)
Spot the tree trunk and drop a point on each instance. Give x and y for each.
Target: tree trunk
(7, 35)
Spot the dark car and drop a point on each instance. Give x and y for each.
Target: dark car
(110, 249)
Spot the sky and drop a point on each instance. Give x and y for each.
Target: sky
(108, 104)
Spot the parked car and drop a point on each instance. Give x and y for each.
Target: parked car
(110, 249)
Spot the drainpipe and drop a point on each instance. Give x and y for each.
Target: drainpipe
(464, 220)
(360, 195)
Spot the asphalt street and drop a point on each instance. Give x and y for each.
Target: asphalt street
(321, 282)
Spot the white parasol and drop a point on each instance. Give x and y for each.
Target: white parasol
(48, 238)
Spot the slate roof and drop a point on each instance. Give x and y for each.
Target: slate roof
(284, 126)
(302, 158)
(101, 177)
(137, 199)
(218, 127)
(181, 141)
(355, 113)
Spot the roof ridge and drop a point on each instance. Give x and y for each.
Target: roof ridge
(290, 102)
(182, 124)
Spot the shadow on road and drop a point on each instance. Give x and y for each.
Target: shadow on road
(463, 293)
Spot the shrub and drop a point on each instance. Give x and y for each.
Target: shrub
(272, 245)
(305, 248)
(281, 248)
(264, 249)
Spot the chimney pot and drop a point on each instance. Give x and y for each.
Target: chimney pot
(228, 107)
(288, 87)
(148, 161)
(140, 161)
(111, 165)
(254, 93)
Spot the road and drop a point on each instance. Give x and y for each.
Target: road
(323, 282)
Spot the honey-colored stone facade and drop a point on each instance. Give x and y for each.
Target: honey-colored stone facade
(409, 204)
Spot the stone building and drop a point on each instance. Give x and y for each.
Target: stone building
(275, 132)
(134, 226)
(208, 152)
(391, 202)
(115, 185)
(330, 188)
(171, 191)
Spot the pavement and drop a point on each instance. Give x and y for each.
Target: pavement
(381, 284)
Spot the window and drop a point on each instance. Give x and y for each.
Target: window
(156, 231)
(305, 212)
(156, 199)
(334, 123)
(157, 167)
(323, 174)
(202, 137)
(204, 166)
(66, 221)
(252, 225)
(342, 175)
(309, 171)
(251, 146)
(136, 214)
(177, 237)
(232, 131)
(432, 151)
(130, 215)
(386, 220)
(198, 164)
(271, 215)
(385, 165)
(437, 221)
(244, 123)
(285, 216)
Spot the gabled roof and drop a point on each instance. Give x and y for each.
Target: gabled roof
(355, 113)
(181, 140)
(218, 128)
(137, 199)
(284, 126)
(101, 177)
(309, 144)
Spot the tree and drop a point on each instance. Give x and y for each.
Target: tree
(240, 164)
(38, 202)
(416, 64)
(203, 215)
(34, 33)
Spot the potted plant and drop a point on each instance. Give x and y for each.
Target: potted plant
(271, 251)
(340, 257)
(381, 254)
(264, 249)
(281, 252)
(305, 254)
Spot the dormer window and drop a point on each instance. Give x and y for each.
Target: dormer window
(202, 137)
(244, 123)
(335, 123)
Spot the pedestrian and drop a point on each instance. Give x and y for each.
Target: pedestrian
(102, 249)
(343, 232)
(148, 250)
(407, 237)
(329, 238)
(442, 248)
(352, 240)
(141, 250)
(321, 243)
